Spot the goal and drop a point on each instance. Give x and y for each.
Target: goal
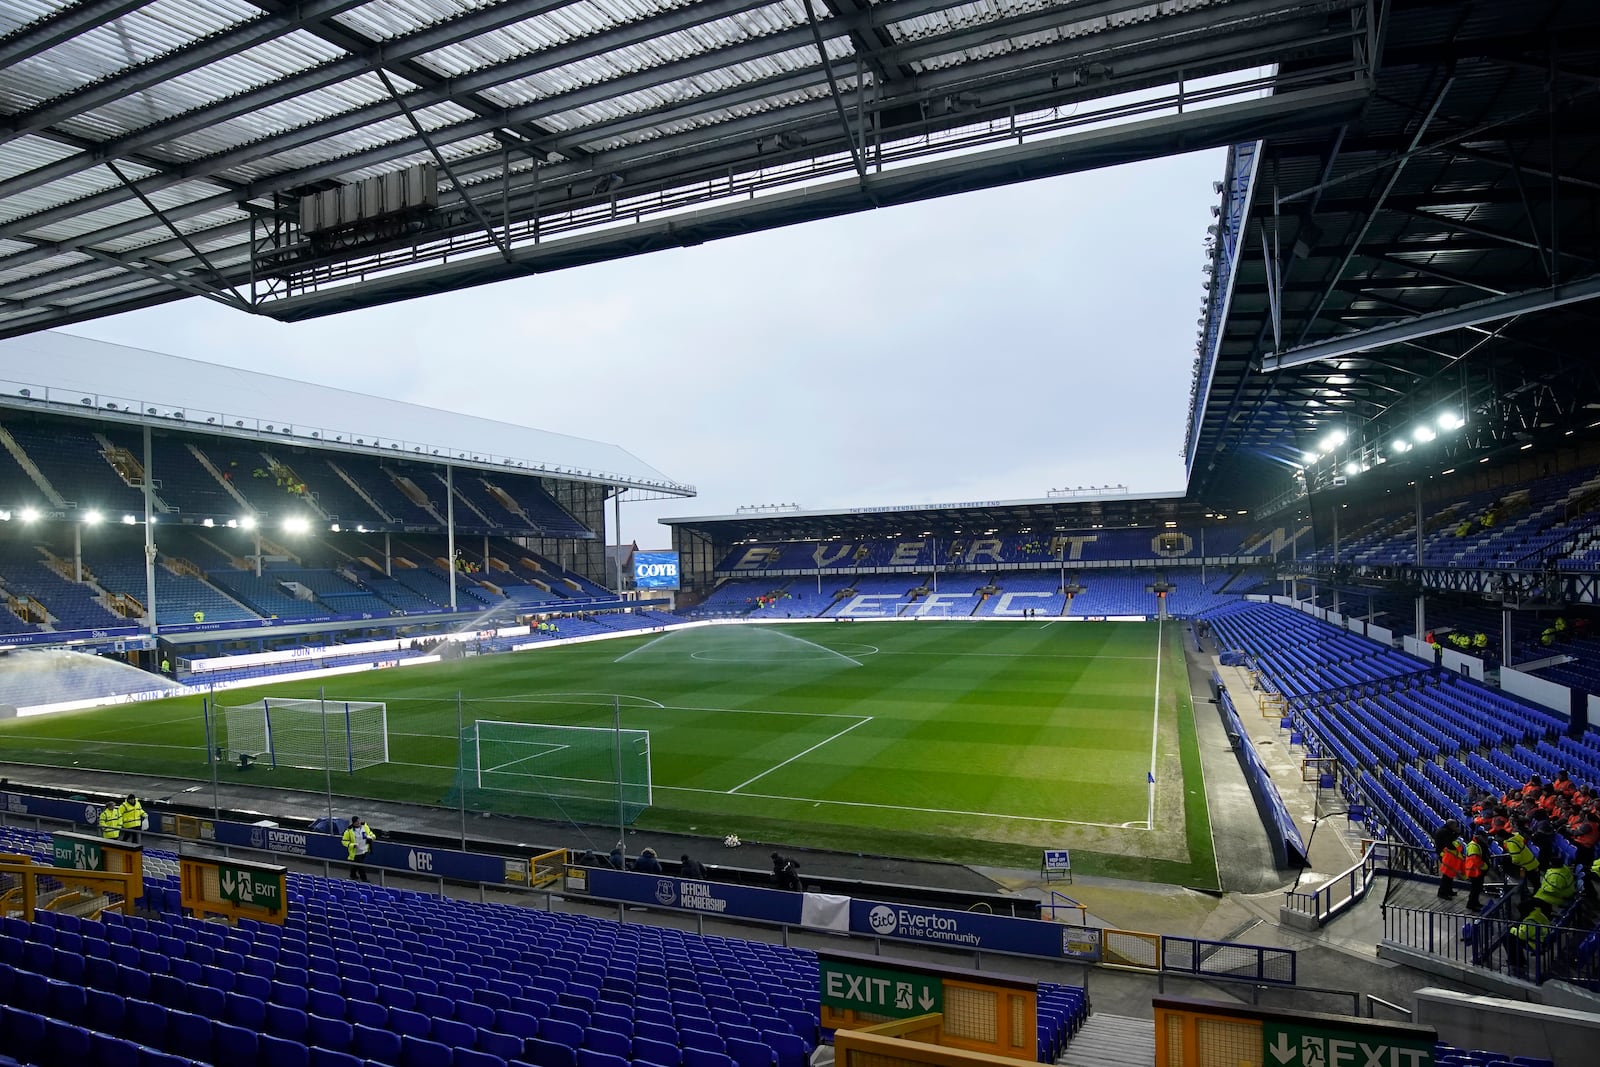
(596, 769)
(315, 734)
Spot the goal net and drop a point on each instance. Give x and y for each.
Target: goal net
(581, 773)
(342, 735)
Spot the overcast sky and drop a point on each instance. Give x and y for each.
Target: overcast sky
(988, 346)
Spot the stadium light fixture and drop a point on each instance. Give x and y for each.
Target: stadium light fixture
(1449, 420)
(129, 520)
(92, 517)
(1400, 446)
(1352, 468)
(248, 522)
(296, 524)
(1309, 457)
(334, 528)
(5, 515)
(208, 523)
(1334, 440)
(1423, 434)
(29, 514)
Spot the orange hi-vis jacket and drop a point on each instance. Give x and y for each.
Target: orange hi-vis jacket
(1450, 860)
(1472, 864)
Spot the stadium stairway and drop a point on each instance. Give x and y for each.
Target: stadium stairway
(1107, 1040)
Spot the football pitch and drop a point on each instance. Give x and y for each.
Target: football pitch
(966, 741)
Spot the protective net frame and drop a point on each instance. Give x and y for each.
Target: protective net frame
(591, 773)
(314, 734)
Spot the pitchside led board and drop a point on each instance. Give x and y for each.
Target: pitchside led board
(655, 570)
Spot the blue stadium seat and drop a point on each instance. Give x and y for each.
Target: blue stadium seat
(545, 1053)
(292, 1024)
(372, 1043)
(108, 1051)
(420, 1052)
(233, 1044)
(281, 1052)
(325, 1033)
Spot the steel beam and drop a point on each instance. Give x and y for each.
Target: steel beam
(690, 141)
(1436, 322)
(535, 111)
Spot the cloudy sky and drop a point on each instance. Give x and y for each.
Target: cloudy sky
(989, 346)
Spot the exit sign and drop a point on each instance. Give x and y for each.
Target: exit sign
(77, 854)
(251, 888)
(879, 990)
(1305, 1046)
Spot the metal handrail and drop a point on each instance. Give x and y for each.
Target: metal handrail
(1349, 885)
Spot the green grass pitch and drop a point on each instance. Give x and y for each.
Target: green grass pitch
(966, 741)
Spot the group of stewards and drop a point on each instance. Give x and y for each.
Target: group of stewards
(123, 820)
(1524, 823)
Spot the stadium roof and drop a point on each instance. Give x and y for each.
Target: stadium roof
(158, 149)
(1078, 511)
(1436, 255)
(60, 373)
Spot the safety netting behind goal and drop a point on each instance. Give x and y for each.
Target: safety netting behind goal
(577, 774)
(341, 735)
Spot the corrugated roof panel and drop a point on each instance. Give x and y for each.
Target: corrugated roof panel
(65, 190)
(537, 35)
(19, 13)
(192, 227)
(331, 148)
(384, 20)
(28, 153)
(152, 30)
(38, 267)
(47, 287)
(669, 48)
(721, 115)
(302, 110)
(126, 211)
(222, 78)
(686, 89)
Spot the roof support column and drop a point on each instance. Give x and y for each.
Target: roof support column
(450, 527)
(149, 541)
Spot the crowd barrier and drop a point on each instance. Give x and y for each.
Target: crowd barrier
(964, 931)
(1311, 908)
(1288, 847)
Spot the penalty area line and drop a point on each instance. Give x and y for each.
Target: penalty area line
(797, 755)
(906, 807)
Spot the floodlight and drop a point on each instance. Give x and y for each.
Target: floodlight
(1333, 440)
(1423, 434)
(1399, 446)
(208, 523)
(334, 528)
(128, 520)
(29, 514)
(92, 517)
(1352, 468)
(296, 524)
(248, 522)
(1310, 457)
(1449, 420)
(5, 515)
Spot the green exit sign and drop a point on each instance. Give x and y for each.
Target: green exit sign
(1305, 1046)
(77, 854)
(250, 887)
(879, 990)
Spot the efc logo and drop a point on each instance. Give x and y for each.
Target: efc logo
(655, 570)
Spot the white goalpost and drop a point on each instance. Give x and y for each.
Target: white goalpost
(314, 734)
